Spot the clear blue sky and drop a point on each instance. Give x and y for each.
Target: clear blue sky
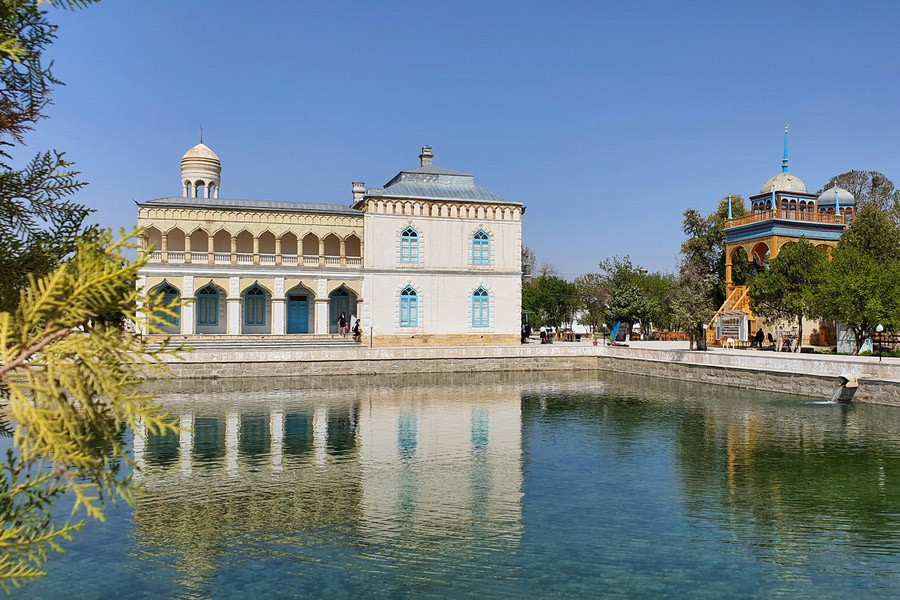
(606, 119)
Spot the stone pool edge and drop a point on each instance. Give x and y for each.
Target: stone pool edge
(808, 375)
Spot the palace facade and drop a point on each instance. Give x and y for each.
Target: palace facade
(429, 259)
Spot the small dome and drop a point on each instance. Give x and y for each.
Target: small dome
(828, 197)
(784, 182)
(200, 151)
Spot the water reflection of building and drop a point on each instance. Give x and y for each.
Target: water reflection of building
(367, 463)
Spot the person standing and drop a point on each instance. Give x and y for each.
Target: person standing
(779, 339)
(357, 332)
(760, 336)
(342, 324)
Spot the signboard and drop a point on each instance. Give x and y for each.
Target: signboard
(731, 326)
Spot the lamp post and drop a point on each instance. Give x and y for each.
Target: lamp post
(878, 330)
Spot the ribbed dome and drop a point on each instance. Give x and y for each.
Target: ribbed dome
(784, 182)
(843, 196)
(200, 151)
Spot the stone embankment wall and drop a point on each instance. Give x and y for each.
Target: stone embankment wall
(810, 375)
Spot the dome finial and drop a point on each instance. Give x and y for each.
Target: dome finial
(201, 134)
(784, 161)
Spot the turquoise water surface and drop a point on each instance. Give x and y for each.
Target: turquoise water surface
(550, 485)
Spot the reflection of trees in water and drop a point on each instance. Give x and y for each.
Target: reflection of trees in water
(762, 465)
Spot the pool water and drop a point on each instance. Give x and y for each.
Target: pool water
(504, 485)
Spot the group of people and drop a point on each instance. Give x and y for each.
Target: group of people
(783, 341)
(547, 334)
(344, 328)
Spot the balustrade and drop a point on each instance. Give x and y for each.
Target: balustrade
(247, 258)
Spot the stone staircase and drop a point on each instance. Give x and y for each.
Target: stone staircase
(221, 343)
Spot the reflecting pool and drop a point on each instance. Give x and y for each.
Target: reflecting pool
(499, 485)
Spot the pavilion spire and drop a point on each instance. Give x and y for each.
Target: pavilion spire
(784, 161)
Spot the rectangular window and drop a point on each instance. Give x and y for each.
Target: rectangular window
(409, 311)
(409, 249)
(207, 310)
(481, 311)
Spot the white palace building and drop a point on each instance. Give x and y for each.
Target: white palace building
(430, 259)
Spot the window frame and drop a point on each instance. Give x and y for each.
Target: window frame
(409, 245)
(481, 248)
(203, 299)
(252, 306)
(481, 299)
(409, 307)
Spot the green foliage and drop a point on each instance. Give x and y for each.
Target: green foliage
(787, 289)
(867, 187)
(592, 298)
(861, 285)
(705, 247)
(549, 300)
(633, 294)
(38, 225)
(694, 301)
(70, 389)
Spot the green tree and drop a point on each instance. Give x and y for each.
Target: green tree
(549, 300)
(694, 300)
(867, 187)
(788, 288)
(67, 371)
(861, 285)
(39, 226)
(704, 247)
(592, 298)
(634, 295)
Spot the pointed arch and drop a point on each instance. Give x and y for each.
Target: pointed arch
(409, 307)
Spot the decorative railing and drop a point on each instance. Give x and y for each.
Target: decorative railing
(248, 258)
(787, 215)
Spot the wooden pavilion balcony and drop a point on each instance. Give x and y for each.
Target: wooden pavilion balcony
(787, 215)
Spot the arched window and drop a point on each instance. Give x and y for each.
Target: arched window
(481, 308)
(409, 245)
(208, 306)
(255, 306)
(409, 308)
(170, 296)
(481, 249)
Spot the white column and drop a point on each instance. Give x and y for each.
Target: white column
(186, 442)
(232, 436)
(322, 307)
(187, 312)
(320, 434)
(140, 446)
(278, 322)
(276, 428)
(234, 306)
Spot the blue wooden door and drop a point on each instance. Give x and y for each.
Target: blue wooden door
(297, 314)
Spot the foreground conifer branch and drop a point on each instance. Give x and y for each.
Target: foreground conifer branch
(68, 375)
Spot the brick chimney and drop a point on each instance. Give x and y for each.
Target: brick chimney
(426, 157)
(359, 190)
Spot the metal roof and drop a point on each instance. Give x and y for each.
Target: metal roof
(257, 205)
(435, 183)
